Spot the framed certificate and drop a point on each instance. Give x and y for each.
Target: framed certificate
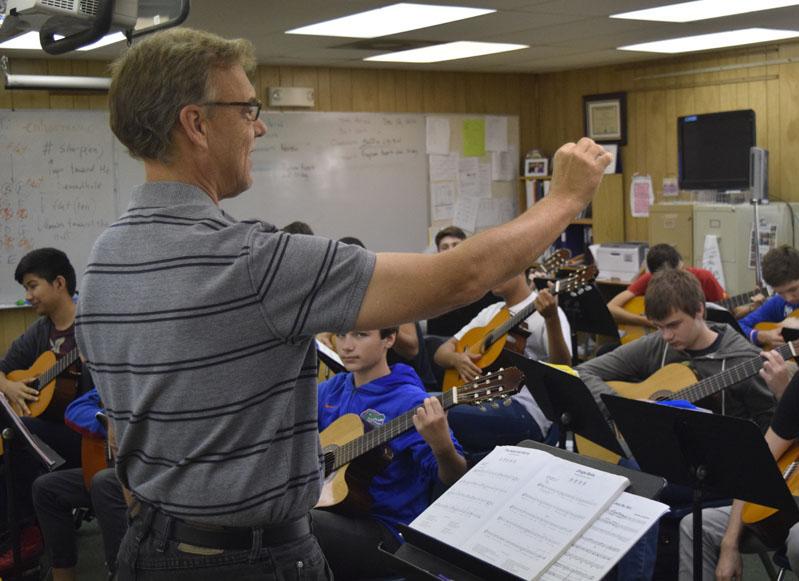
(605, 117)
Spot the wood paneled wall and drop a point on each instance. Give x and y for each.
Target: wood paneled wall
(549, 106)
(733, 80)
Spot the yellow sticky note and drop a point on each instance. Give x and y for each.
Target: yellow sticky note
(474, 137)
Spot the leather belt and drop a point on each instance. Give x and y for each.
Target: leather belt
(228, 538)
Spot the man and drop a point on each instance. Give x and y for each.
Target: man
(781, 272)
(675, 305)
(49, 281)
(479, 429)
(660, 256)
(57, 494)
(401, 491)
(447, 324)
(200, 328)
(722, 528)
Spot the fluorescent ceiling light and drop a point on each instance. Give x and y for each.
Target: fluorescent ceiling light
(30, 41)
(105, 41)
(27, 41)
(703, 9)
(715, 40)
(390, 20)
(446, 52)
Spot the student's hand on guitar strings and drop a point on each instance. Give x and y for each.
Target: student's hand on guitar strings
(464, 364)
(775, 372)
(546, 304)
(772, 337)
(430, 421)
(19, 393)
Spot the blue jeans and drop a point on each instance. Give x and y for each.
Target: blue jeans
(479, 429)
(146, 555)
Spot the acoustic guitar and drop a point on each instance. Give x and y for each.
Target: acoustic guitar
(768, 326)
(637, 306)
(770, 524)
(678, 381)
(44, 371)
(554, 261)
(488, 341)
(352, 457)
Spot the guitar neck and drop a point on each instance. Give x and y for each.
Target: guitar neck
(737, 300)
(379, 436)
(57, 369)
(731, 376)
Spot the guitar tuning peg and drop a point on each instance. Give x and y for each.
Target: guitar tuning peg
(507, 401)
(494, 405)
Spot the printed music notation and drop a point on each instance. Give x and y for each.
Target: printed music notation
(532, 514)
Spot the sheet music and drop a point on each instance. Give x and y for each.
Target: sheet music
(520, 509)
(540, 522)
(595, 553)
(458, 513)
(328, 352)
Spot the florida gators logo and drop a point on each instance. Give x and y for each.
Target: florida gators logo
(373, 417)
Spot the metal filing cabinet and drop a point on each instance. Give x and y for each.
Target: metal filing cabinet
(732, 223)
(673, 224)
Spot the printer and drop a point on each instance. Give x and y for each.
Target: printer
(620, 261)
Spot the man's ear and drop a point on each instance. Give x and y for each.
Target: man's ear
(192, 122)
(390, 340)
(60, 282)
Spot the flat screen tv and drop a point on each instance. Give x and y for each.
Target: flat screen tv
(713, 150)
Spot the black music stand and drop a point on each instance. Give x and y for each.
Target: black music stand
(719, 315)
(565, 400)
(423, 557)
(703, 451)
(587, 313)
(16, 437)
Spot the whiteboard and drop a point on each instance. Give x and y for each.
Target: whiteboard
(345, 174)
(64, 178)
(58, 186)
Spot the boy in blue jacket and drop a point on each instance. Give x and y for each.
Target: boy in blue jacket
(378, 393)
(781, 272)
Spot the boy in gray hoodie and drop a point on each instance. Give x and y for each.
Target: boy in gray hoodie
(676, 306)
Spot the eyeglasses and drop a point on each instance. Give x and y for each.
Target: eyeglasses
(253, 107)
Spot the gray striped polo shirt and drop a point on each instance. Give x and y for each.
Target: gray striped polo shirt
(198, 330)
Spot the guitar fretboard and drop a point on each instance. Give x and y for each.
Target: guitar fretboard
(731, 376)
(738, 300)
(496, 385)
(379, 436)
(45, 378)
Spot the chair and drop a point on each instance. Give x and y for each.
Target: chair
(781, 561)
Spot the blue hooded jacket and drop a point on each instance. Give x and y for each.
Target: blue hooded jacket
(402, 491)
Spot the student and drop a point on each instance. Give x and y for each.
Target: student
(49, 282)
(449, 323)
(722, 528)
(675, 305)
(298, 227)
(379, 393)
(479, 429)
(208, 363)
(660, 256)
(781, 272)
(57, 494)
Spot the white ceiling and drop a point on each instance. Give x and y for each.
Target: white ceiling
(562, 34)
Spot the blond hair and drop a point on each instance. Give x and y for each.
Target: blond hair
(157, 77)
